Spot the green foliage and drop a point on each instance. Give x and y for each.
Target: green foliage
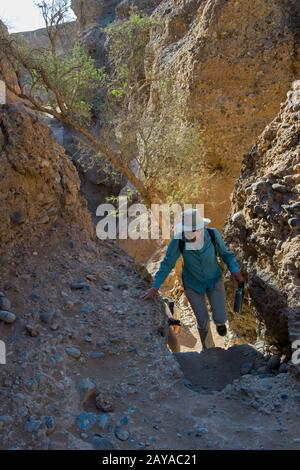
(79, 79)
(130, 194)
(114, 200)
(64, 81)
(170, 148)
(167, 149)
(127, 41)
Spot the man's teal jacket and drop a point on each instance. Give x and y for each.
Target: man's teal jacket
(201, 270)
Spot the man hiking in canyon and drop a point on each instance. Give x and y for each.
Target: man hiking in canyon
(201, 273)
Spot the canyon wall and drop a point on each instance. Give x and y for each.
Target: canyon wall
(39, 185)
(98, 15)
(87, 363)
(264, 225)
(232, 61)
(235, 61)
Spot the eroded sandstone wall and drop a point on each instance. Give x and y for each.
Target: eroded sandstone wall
(7, 72)
(235, 60)
(39, 186)
(264, 225)
(94, 15)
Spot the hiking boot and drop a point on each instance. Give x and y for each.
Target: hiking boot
(222, 329)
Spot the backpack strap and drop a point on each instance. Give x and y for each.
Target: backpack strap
(181, 244)
(212, 237)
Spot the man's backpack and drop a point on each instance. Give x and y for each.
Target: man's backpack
(212, 237)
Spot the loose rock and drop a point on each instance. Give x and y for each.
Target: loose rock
(86, 421)
(5, 303)
(103, 403)
(73, 352)
(87, 389)
(121, 434)
(17, 218)
(50, 424)
(32, 425)
(47, 317)
(7, 317)
(80, 286)
(101, 443)
(32, 330)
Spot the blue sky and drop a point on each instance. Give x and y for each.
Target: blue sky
(20, 15)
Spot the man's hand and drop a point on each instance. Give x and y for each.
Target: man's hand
(150, 294)
(237, 277)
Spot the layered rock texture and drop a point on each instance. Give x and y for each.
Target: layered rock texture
(39, 185)
(7, 72)
(235, 60)
(264, 226)
(98, 15)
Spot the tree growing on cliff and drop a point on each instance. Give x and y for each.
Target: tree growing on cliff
(164, 144)
(68, 87)
(63, 88)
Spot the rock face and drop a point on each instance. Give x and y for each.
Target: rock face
(236, 62)
(147, 6)
(98, 15)
(6, 70)
(264, 226)
(96, 12)
(102, 12)
(39, 186)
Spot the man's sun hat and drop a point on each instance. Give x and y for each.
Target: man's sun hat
(191, 220)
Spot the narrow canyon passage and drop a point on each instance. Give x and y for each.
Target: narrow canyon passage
(196, 101)
(88, 361)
